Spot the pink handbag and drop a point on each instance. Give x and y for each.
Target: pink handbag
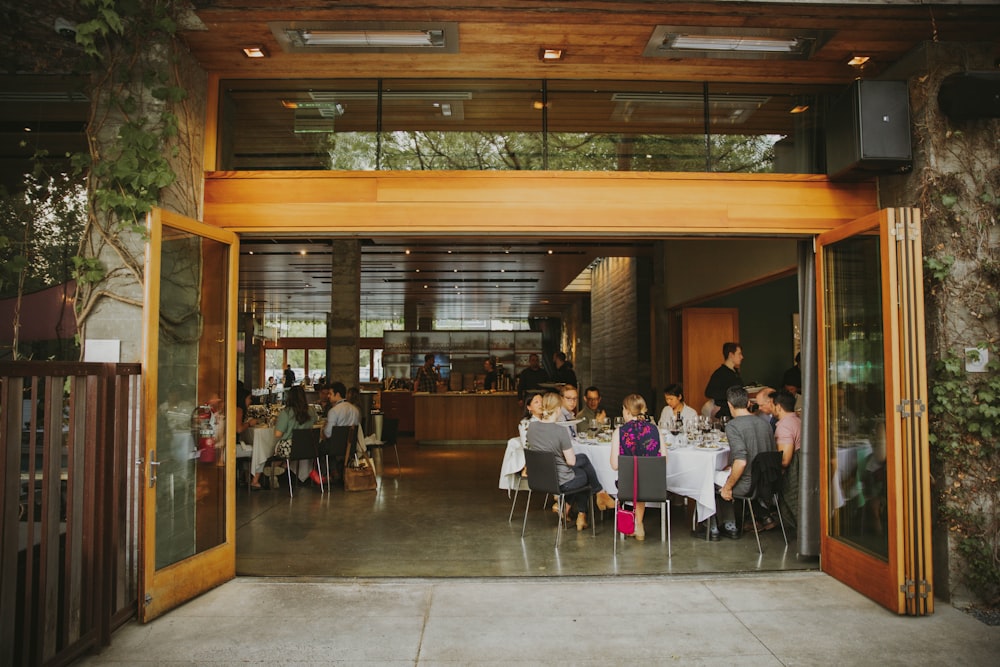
(625, 519)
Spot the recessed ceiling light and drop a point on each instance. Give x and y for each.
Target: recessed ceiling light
(302, 252)
(255, 52)
(550, 252)
(407, 251)
(858, 61)
(551, 55)
(799, 108)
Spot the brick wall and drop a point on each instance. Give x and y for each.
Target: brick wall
(619, 329)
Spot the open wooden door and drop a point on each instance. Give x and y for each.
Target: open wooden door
(875, 512)
(703, 332)
(188, 541)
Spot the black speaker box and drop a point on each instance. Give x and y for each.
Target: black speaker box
(970, 95)
(868, 130)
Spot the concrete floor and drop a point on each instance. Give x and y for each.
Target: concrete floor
(427, 571)
(791, 618)
(446, 517)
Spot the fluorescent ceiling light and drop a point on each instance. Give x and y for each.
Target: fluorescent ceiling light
(721, 43)
(366, 36)
(373, 38)
(746, 43)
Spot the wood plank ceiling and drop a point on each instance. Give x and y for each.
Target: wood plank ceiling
(604, 42)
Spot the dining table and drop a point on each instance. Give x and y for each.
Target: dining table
(691, 469)
(263, 441)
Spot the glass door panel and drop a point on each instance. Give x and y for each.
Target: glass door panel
(188, 529)
(873, 434)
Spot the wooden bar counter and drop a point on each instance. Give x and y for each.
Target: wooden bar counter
(465, 418)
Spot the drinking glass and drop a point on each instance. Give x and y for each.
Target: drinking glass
(593, 428)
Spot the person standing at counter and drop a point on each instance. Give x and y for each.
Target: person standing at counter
(575, 470)
(490, 381)
(531, 378)
(428, 375)
(289, 376)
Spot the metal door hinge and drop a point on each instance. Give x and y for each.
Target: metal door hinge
(903, 408)
(913, 589)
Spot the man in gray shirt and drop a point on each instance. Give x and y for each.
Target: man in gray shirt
(748, 436)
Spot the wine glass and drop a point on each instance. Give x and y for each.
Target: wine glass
(676, 425)
(593, 429)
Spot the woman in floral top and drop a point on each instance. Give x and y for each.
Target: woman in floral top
(636, 437)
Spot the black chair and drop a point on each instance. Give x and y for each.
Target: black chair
(651, 486)
(390, 432)
(305, 445)
(765, 484)
(543, 476)
(336, 446)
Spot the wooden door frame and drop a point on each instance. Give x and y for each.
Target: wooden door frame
(162, 590)
(907, 569)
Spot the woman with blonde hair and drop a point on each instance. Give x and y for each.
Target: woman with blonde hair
(575, 470)
(637, 436)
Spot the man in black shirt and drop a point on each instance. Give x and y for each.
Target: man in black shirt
(564, 373)
(531, 378)
(725, 376)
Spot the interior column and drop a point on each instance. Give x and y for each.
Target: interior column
(343, 326)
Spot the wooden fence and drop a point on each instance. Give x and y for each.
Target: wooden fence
(70, 507)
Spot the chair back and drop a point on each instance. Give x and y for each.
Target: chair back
(542, 473)
(390, 430)
(337, 442)
(305, 442)
(765, 475)
(652, 478)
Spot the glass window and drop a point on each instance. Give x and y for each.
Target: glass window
(317, 364)
(274, 364)
(364, 365)
(497, 124)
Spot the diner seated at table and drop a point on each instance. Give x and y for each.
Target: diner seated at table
(748, 436)
(637, 436)
(570, 397)
(592, 409)
(788, 438)
(675, 408)
(243, 421)
(297, 414)
(762, 405)
(575, 471)
(341, 413)
(512, 468)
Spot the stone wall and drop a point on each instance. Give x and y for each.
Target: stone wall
(955, 182)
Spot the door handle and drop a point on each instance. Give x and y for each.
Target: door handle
(152, 468)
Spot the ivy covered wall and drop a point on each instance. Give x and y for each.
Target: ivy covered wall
(956, 184)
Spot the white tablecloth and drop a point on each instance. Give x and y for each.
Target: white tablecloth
(690, 471)
(263, 447)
